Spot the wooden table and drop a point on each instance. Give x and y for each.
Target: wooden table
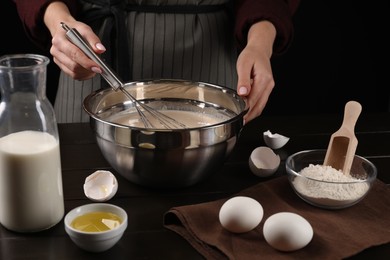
(145, 237)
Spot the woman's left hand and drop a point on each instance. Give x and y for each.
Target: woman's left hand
(255, 78)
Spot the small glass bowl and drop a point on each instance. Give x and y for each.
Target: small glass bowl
(329, 194)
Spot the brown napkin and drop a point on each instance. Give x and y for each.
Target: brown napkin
(337, 233)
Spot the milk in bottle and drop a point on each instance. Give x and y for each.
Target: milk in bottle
(31, 193)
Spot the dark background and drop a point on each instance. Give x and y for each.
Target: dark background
(339, 53)
(13, 40)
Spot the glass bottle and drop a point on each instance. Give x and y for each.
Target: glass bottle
(31, 194)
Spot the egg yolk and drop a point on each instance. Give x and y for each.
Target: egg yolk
(96, 221)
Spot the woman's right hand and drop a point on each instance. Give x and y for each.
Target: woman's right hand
(66, 55)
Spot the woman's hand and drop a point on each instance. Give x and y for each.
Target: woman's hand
(65, 54)
(255, 78)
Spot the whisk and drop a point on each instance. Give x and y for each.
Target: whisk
(116, 84)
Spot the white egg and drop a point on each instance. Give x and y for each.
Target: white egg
(240, 214)
(286, 231)
(100, 186)
(263, 162)
(275, 141)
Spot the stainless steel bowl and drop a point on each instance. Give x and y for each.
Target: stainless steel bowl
(166, 158)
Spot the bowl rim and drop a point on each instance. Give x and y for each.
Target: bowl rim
(290, 171)
(238, 116)
(80, 210)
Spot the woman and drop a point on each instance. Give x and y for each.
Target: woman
(224, 42)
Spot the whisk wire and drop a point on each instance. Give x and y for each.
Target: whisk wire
(113, 80)
(163, 119)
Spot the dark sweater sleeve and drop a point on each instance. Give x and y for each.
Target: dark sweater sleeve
(278, 12)
(31, 14)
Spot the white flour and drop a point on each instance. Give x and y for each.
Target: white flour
(327, 193)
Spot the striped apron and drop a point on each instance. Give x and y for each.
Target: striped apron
(155, 39)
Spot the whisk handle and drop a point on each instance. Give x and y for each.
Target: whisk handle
(75, 37)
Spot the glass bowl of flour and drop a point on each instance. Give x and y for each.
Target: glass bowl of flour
(326, 187)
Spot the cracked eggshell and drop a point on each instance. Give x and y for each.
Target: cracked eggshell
(100, 186)
(274, 141)
(263, 162)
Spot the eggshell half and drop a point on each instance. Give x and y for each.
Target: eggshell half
(100, 186)
(263, 162)
(287, 231)
(240, 214)
(274, 141)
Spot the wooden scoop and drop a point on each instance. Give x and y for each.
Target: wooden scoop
(343, 143)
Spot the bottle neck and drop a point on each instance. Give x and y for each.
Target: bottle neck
(24, 105)
(23, 74)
